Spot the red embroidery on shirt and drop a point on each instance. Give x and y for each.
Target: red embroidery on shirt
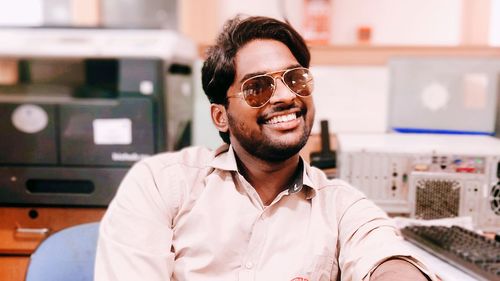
(299, 279)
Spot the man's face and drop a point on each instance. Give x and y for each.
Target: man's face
(279, 129)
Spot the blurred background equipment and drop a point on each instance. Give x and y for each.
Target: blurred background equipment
(88, 104)
(444, 95)
(139, 14)
(325, 158)
(131, 14)
(426, 176)
(316, 21)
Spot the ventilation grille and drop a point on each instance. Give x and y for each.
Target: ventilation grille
(495, 199)
(437, 199)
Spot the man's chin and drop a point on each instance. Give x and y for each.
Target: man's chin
(278, 152)
(281, 148)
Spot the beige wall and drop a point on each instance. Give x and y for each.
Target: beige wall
(198, 19)
(393, 22)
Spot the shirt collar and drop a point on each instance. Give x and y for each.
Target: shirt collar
(298, 182)
(307, 181)
(225, 159)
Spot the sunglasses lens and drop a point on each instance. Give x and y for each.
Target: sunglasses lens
(300, 81)
(258, 90)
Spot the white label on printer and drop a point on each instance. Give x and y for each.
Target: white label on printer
(30, 118)
(112, 131)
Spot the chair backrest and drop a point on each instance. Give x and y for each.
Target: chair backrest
(67, 255)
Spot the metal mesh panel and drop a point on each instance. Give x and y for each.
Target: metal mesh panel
(437, 198)
(495, 199)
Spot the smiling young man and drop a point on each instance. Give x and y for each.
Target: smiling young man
(253, 209)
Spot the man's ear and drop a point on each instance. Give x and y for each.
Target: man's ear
(219, 117)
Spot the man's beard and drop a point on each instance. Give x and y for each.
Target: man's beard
(270, 152)
(266, 149)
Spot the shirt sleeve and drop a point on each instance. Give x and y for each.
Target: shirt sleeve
(135, 235)
(367, 237)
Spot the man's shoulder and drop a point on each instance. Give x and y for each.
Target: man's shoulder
(322, 182)
(196, 157)
(333, 187)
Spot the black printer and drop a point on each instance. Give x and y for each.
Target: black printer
(77, 120)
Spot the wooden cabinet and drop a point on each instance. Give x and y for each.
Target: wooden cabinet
(22, 230)
(13, 268)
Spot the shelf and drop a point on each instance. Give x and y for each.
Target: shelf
(379, 55)
(63, 43)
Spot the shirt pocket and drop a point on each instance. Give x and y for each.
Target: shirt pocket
(320, 268)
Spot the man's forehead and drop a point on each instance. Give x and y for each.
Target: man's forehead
(261, 56)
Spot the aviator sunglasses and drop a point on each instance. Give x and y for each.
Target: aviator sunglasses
(259, 89)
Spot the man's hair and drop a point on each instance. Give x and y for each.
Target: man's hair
(218, 71)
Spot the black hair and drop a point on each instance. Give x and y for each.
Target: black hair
(218, 70)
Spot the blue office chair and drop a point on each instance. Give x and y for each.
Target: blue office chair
(67, 255)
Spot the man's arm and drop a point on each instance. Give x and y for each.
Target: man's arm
(135, 237)
(397, 270)
(368, 239)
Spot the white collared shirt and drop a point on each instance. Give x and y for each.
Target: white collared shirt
(190, 215)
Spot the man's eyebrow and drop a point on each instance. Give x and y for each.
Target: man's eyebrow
(249, 75)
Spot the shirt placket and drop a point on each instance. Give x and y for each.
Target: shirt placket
(251, 258)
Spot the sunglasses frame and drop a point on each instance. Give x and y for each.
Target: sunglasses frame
(270, 74)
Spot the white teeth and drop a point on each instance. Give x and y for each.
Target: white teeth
(282, 118)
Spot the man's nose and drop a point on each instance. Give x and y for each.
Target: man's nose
(282, 93)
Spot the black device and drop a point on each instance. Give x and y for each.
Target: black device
(71, 144)
(469, 251)
(325, 158)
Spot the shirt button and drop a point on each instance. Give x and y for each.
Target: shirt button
(249, 265)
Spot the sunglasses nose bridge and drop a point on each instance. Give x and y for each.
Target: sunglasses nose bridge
(283, 91)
